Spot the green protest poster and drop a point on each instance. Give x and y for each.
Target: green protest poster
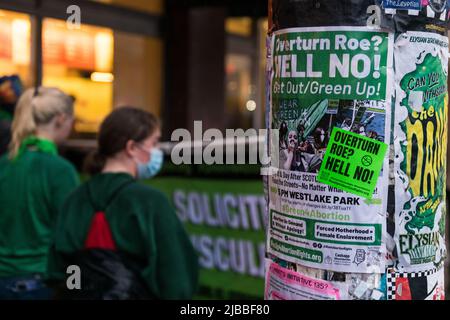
(352, 163)
(326, 65)
(330, 101)
(225, 221)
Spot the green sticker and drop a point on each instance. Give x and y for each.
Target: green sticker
(352, 163)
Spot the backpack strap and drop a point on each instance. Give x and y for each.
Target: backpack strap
(111, 198)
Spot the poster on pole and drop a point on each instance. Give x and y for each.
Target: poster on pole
(352, 163)
(429, 285)
(321, 79)
(285, 284)
(420, 128)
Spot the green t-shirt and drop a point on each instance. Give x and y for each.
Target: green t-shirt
(143, 224)
(32, 189)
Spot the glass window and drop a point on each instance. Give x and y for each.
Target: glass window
(80, 62)
(245, 72)
(239, 93)
(239, 26)
(15, 45)
(150, 6)
(259, 120)
(139, 71)
(102, 69)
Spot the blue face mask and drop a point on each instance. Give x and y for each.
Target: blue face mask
(153, 167)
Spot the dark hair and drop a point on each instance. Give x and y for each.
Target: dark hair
(122, 125)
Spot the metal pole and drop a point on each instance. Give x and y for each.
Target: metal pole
(37, 50)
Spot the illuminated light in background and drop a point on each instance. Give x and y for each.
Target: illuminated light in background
(104, 51)
(102, 77)
(251, 105)
(21, 41)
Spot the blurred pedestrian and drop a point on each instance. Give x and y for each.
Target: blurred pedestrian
(10, 90)
(123, 235)
(5, 135)
(34, 182)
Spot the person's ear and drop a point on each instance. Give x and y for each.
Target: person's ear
(60, 119)
(131, 149)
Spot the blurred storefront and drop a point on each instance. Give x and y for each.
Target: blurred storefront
(109, 61)
(15, 48)
(215, 63)
(182, 60)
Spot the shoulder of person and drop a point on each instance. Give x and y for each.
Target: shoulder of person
(143, 191)
(57, 162)
(44, 161)
(148, 202)
(58, 170)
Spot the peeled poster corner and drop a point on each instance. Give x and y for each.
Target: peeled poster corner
(368, 71)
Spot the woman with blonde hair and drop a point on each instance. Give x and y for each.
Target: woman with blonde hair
(34, 182)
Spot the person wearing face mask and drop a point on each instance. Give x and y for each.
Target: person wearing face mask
(124, 235)
(34, 182)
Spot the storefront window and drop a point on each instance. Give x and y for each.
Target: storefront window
(245, 72)
(259, 119)
(15, 47)
(80, 62)
(239, 26)
(239, 91)
(138, 71)
(102, 69)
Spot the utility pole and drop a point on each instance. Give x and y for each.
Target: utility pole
(357, 90)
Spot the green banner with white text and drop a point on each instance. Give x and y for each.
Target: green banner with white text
(225, 221)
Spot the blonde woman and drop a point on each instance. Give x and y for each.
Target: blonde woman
(34, 182)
